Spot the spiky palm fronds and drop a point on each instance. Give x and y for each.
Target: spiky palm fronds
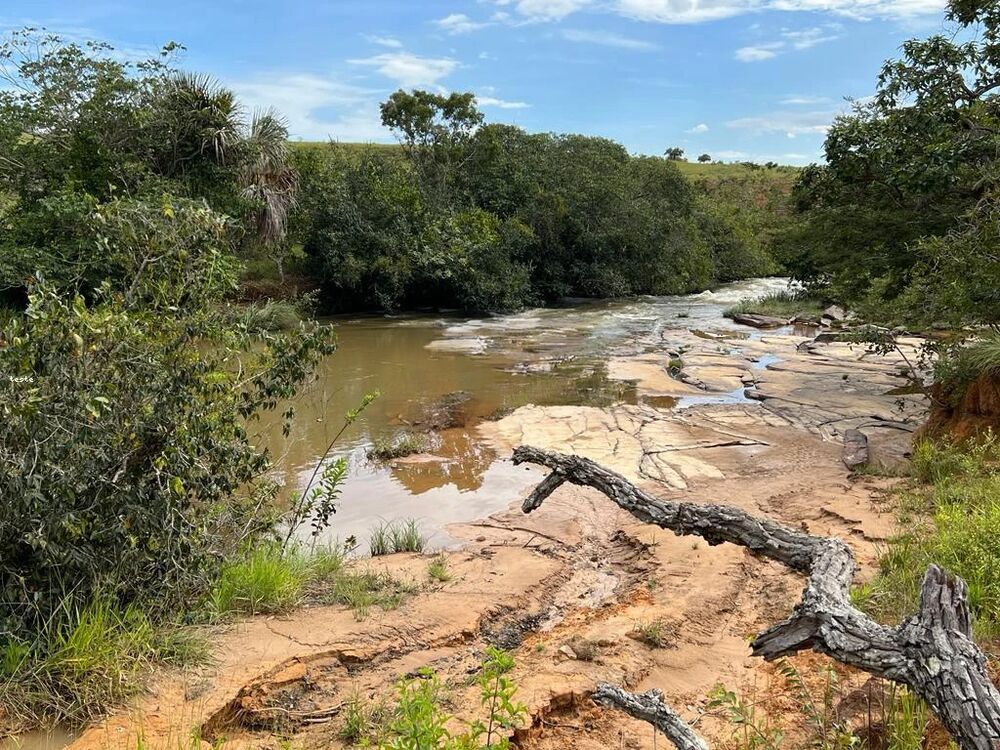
(268, 180)
(201, 117)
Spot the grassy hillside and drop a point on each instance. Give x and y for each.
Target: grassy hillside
(690, 169)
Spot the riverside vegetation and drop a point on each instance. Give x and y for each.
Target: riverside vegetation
(139, 206)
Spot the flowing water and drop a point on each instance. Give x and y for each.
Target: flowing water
(445, 374)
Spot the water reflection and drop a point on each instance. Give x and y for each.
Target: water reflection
(447, 374)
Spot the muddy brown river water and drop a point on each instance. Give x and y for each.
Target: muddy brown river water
(444, 375)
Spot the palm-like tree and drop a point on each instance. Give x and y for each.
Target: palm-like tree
(268, 179)
(204, 131)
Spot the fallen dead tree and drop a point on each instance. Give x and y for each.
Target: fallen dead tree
(932, 652)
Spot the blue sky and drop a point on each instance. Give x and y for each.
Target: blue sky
(738, 79)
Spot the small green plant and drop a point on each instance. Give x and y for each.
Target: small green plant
(438, 569)
(398, 446)
(751, 730)
(318, 501)
(496, 695)
(829, 732)
(906, 720)
(418, 723)
(656, 633)
(363, 720)
(396, 536)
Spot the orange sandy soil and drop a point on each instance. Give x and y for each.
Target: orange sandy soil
(566, 587)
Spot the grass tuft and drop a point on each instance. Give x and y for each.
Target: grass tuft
(396, 536)
(779, 305)
(398, 446)
(655, 633)
(438, 569)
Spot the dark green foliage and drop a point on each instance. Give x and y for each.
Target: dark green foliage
(902, 219)
(519, 218)
(125, 466)
(79, 128)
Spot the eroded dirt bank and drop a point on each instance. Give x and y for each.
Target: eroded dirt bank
(567, 587)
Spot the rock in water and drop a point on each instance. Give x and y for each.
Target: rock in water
(855, 448)
(835, 313)
(759, 321)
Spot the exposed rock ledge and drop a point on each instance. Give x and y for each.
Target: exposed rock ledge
(580, 570)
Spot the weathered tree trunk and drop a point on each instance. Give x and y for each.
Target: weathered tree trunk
(931, 652)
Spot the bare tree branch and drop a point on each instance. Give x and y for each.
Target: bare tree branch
(931, 652)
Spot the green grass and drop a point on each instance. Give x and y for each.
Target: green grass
(397, 446)
(94, 659)
(363, 721)
(780, 305)
(949, 516)
(983, 355)
(438, 569)
(363, 590)
(655, 633)
(270, 581)
(396, 536)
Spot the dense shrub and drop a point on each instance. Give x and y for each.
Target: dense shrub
(125, 466)
(521, 219)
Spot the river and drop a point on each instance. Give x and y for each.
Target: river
(452, 373)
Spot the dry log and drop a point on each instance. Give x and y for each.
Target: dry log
(932, 652)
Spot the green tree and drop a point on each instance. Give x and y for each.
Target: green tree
(79, 127)
(435, 131)
(908, 175)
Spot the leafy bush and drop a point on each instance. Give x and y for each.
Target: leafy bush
(125, 466)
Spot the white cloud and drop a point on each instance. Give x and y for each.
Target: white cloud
(492, 101)
(409, 70)
(384, 41)
(545, 10)
(459, 23)
(699, 128)
(758, 52)
(607, 39)
(806, 38)
(791, 39)
(792, 124)
(682, 11)
(804, 100)
(699, 11)
(316, 107)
